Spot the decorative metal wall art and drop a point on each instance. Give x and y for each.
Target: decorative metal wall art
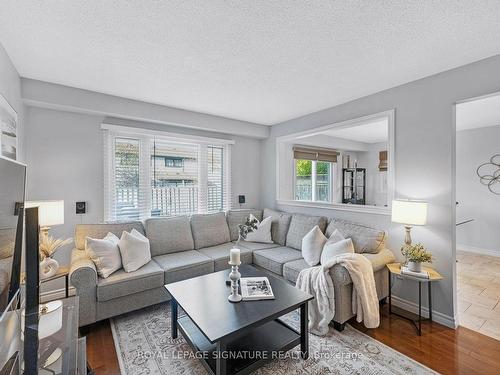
(489, 174)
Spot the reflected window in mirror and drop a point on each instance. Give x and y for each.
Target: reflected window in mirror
(340, 164)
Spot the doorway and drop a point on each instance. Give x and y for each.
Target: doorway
(478, 214)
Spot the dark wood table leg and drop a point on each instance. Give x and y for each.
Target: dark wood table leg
(430, 301)
(67, 285)
(390, 294)
(420, 308)
(173, 322)
(304, 330)
(220, 365)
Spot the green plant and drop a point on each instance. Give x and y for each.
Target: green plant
(416, 253)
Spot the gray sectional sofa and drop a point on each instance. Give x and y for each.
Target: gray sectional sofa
(184, 247)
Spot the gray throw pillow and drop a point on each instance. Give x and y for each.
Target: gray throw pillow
(280, 225)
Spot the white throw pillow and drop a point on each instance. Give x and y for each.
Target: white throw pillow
(105, 254)
(312, 246)
(332, 249)
(263, 231)
(135, 250)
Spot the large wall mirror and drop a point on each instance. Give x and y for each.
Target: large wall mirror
(347, 165)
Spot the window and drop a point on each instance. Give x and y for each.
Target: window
(313, 180)
(149, 176)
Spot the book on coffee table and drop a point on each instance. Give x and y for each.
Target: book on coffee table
(256, 288)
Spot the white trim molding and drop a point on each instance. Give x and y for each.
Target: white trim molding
(478, 250)
(376, 210)
(438, 317)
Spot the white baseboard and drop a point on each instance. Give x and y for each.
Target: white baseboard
(437, 317)
(478, 250)
(56, 294)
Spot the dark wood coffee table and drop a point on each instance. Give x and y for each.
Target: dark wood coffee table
(237, 338)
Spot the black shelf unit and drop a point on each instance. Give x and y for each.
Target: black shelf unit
(354, 185)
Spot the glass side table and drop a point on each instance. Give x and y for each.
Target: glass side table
(395, 269)
(58, 350)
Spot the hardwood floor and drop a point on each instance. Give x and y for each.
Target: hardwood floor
(445, 350)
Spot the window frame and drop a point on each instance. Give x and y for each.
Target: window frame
(111, 132)
(314, 182)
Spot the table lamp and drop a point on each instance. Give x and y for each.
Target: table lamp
(50, 213)
(409, 213)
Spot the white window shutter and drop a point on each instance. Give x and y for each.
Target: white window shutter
(202, 179)
(108, 174)
(149, 175)
(228, 197)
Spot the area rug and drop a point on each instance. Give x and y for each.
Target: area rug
(144, 346)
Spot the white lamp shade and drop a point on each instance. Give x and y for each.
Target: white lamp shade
(409, 212)
(49, 212)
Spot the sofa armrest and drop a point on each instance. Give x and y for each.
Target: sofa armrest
(379, 260)
(83, 276)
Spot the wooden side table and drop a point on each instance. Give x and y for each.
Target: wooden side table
(395, 269)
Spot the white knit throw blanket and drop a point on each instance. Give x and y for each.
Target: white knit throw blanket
(318, 282)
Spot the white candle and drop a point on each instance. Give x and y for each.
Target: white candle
(234, 256)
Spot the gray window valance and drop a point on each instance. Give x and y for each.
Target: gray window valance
(315, 153)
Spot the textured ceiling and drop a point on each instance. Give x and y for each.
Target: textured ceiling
(374, 132)
(260, 61)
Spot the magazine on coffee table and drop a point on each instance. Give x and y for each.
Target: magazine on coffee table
(256, 288)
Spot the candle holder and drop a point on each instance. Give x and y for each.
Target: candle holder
(234, 276)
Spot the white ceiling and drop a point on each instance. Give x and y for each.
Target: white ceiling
(261, 61)
(479, 113)
(374, 132)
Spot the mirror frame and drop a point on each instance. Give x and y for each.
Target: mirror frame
(390, 116)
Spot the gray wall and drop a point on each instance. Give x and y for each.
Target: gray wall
(475, 147)
(424, 165)
(65, 161)
(10, 88)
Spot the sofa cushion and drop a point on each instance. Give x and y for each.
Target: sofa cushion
(184, 265)
(220, 255)
(292, 269)
(300, 225)
(274, 259)
(169, 235)
(83, 231)
(209, 230)
(364, 239)
(121, 283)
(237, 217)
(280, 225)
(256, 245)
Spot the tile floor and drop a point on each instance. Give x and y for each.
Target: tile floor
(479, 293)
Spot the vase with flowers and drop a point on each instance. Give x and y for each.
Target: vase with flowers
(415, 255)
(48, 247)
(243, 229)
